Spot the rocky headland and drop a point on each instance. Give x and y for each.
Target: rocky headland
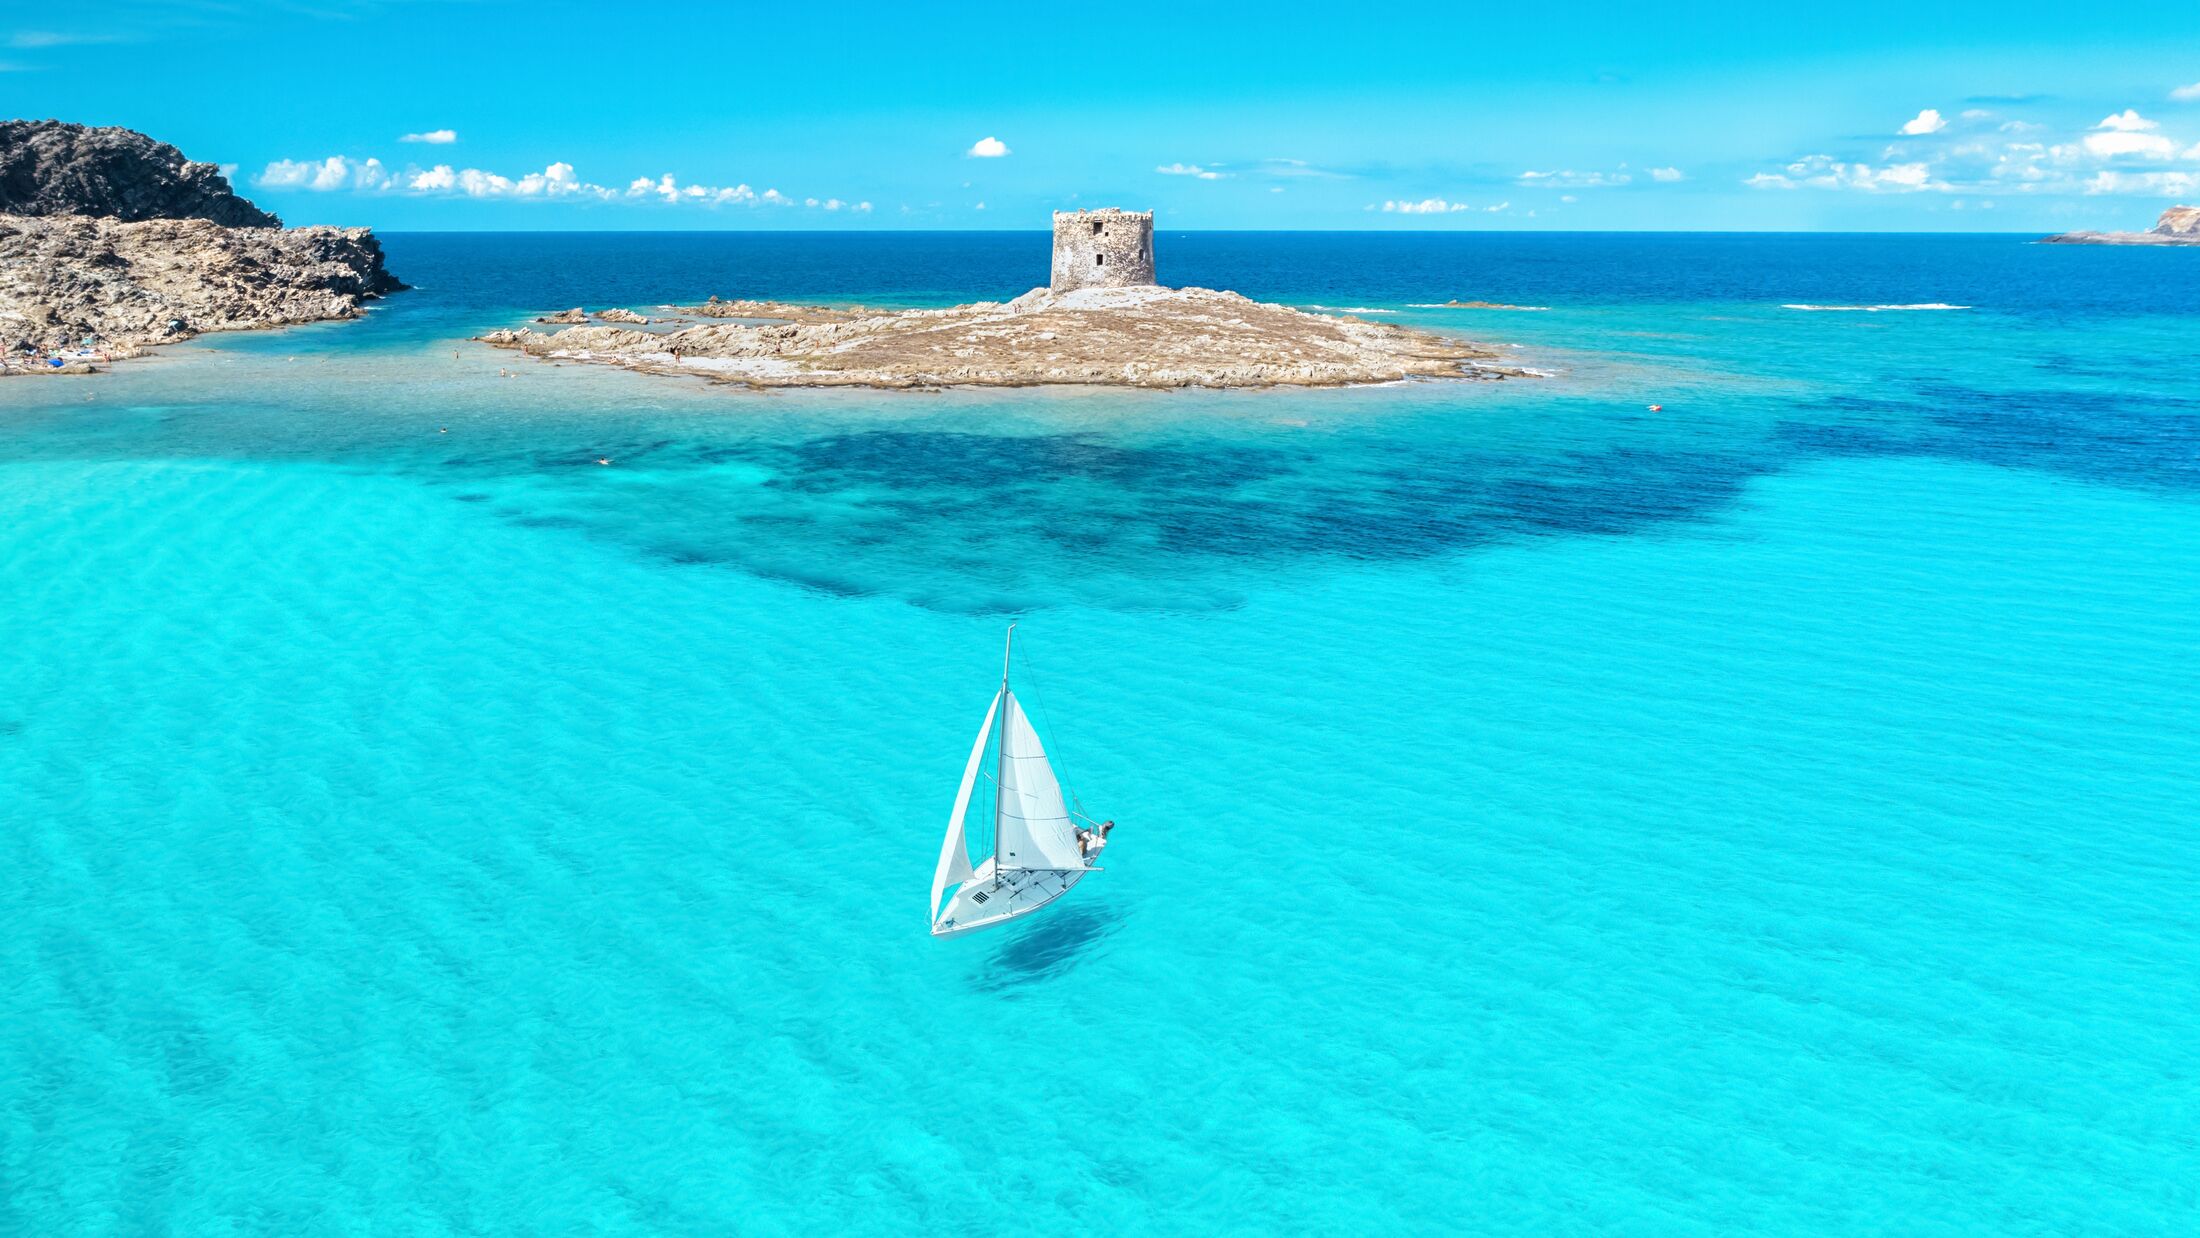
(1145, 336)
(111, 241)
(2179, 225)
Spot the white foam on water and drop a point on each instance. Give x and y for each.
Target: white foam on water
(1874, 309)
(1534, 309)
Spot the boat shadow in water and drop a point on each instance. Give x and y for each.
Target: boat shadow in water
(1044, 950)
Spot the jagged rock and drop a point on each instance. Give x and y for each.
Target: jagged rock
(66, 277)
(571, 317)
(48, 167)
(1133, 337)
(787, 311)
(2179, 225)
(620, 315)
(107, 233)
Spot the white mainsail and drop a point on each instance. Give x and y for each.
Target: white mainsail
(1031, 821)
(954, 866)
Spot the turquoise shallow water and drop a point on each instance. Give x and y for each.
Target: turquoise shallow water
(1775, 814)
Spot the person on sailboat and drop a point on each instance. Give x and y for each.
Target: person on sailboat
(1089, 842)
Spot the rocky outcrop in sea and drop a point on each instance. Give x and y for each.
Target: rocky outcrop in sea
(1122, 337)
(2179, 225)
(111, 241)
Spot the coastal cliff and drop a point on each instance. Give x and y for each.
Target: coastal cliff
(2179, 225)
(111, 241)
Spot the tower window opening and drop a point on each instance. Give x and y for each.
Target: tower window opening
(1099, 260)
(1096, 227)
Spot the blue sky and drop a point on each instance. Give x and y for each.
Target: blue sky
(2009, 116)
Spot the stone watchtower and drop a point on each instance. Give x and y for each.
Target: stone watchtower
(1106, 248)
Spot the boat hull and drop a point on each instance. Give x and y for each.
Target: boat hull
(983, 901)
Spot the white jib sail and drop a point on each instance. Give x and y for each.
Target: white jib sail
(954, 866)
(1033, 826)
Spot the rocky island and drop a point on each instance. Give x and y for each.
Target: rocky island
(111, 241)
(1101, 321)
(2179, 225)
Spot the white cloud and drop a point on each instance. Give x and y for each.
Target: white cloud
(557, 181)
(2127, 121)
(284, 174)
(987, 148)
(330, 173)
(2158, 184)
(1927, 121)
(1979, 163)
(2143, 145)
(433, 137)
(475, 183)
(1826, 172)
(1667, 175)
(333, 173)
(1426, 206)
(2128, 133)
(1190, 169)
(1574, 180)
(2186, 94)
(1297, 168)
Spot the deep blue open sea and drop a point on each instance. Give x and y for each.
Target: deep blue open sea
(1774, 814)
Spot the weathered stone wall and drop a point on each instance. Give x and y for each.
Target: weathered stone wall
(1102, 249)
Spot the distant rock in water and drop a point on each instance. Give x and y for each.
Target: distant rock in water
(48, 167)
(2179, 225)
(109, 236)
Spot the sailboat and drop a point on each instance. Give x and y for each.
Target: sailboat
(1036, 853)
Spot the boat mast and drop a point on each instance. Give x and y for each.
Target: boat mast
(1000, 763)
